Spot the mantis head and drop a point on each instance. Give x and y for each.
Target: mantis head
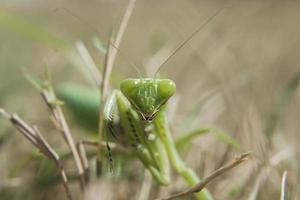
(147, 96)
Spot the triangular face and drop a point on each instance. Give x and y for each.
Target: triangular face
(148, 95)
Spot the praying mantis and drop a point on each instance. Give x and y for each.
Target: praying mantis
(136, 115)
(141, 105)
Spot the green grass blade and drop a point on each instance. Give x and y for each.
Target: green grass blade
(100, 45)
(186, 139)
(227, 139)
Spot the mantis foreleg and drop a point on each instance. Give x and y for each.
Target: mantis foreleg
(149, 150)
(161, 127)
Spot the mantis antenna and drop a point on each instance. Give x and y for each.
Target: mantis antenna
(132, 64)
(72, 14)
(189, 38)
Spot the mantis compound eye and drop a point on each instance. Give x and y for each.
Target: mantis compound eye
(166, 88)
(129, 87)
(147, 95)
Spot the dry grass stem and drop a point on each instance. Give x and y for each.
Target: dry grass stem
(90, 64)
(283, 182)
(36, 138)
(266, 169)
(197, 188)
(84, 160)
(61, 124)
(108, 66)
(103, 92)
(121, 30)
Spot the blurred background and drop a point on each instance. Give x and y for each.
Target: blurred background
(240, 75)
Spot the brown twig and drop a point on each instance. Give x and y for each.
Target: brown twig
(121, 30)
(83, 158)
(35, 137)
(197, 188)
(61, 124)
(103, 92)
(108, 66)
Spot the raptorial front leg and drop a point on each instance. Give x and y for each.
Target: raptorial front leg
(149, 150)
(161, 127)
(108, 115)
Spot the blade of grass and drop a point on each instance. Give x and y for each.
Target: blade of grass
(89, 62)
(99, 45)
(283, 182)
(186, 139)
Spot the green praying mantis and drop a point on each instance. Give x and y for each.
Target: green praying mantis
(135, 115)
(141, 105)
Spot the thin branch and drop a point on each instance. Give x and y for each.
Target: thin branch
(122, 29)
(26, 130)
(36, 138)
(61, 124)
(197, 188)
(4, 113)
(113, 47)
(83, 158)
(108, 66)
(283, 182)
(103, 92)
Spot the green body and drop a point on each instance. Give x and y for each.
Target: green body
(141, 108)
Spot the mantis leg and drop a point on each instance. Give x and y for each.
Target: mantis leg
(149, 151)
(188, 174)
(108, 123)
